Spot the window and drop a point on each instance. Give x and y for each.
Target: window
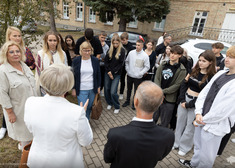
(79, 11)
(160, 25)
(133, 24)
(66, 10)
(91, 15)
(199, 23)
(109, 15)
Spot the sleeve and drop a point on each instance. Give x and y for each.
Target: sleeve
(65, 59)
(120, 60)
(68, 58)
(29, 59)
(152, 60)
(84, 132)
(5, 100)
(99, 47)
(146, 66)
(77, 47)
(158, 75)
(109, 149)
(177, 83)
(170, 142)
(106, 62)
(98, 73)
(183, 89)
(127, 62)
(27, 113)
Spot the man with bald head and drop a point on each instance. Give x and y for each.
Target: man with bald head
(141, 143)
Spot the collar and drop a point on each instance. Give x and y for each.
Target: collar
(142, 120)
(139, 51)
(12, 69)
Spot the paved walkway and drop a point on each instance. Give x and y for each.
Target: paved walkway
(93, 154)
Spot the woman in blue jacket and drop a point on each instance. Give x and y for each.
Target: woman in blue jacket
(87, 76)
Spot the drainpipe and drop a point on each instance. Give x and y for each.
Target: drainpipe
(84, 18)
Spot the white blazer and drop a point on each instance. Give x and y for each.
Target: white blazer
(59, 130)
(221, 116)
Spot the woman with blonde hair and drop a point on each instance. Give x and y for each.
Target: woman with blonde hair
(59, 127)
(17, 83)
(51, 53)
(87, 76)
(113, 66)
(14, 34)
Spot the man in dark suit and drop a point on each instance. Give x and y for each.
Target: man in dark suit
(141, 143)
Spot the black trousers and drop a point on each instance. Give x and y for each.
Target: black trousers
(225, 140)
(3, 122)
(123, 80)
(130, 82)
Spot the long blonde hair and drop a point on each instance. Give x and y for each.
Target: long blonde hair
(10, 29)
(58, 46)
(115, 38)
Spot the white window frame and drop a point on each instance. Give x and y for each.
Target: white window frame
(197, 28)
(108, 22)
(160, 25)
(133, 24)
(79, 11)
(91, 16)
(65, 10)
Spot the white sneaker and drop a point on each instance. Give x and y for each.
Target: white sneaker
(2, 132)
(121, 97)
(116, 111)
(181, 153)
(233, 140)
(20, 147)
(109, 107)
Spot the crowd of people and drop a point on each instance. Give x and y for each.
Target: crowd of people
(178, 105)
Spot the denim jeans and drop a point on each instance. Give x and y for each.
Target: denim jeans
(83, 96)
(110, 90)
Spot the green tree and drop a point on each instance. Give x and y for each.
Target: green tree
(17, 13)
(126, 11)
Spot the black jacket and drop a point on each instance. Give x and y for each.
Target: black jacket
(137, 145)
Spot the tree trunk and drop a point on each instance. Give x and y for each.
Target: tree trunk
(52, 16)
(122, 25)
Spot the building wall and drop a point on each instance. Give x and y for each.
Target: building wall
(181, 15)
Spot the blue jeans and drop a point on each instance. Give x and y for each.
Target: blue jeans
(83, 96)
(110, 90)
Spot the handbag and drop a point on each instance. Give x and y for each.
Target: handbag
(24, 156)
(96, 107)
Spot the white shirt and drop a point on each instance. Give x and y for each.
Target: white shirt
(59, 130)
(137, 64)
(142, 120)
(86, 75)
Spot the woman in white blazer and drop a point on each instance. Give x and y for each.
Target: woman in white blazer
(59, 127)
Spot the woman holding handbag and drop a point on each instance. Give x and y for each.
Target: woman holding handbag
(87, 76)
(113, 66)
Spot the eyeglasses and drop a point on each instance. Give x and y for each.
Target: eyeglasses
(86, 51)
(12, 52)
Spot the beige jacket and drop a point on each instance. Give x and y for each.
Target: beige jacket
(15, 88)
